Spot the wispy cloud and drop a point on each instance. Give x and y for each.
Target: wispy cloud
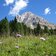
(47, 11)
(19, 5)
(7, 2)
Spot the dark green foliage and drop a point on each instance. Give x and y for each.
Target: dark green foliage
(11, 24)
(55, 31)
(17, 27)
(51, 31)
(13, 27)
(24, 29)
(21, 28)
(4, 26)
(37, 30)
(46, 30)
(41, 32)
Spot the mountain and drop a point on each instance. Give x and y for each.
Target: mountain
(31, 20)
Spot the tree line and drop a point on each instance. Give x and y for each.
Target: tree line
(12, 27)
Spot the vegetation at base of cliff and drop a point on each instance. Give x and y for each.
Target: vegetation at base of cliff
(12, 27)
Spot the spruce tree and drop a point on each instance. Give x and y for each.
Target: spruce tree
(14, 26)
(37, 30)
(46, 30)
(51, 31)
(4, 26)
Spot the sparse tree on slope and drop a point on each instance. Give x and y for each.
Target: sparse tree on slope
(37, 30)
(46, 30)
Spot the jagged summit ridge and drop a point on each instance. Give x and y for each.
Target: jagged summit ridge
(31, 20)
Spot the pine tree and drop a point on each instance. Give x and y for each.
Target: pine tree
(14, 26)
(11, 26)
(19, 27)
(25, 29)
(51, 31)
(46, 30)
(4, 26)
(37, 30)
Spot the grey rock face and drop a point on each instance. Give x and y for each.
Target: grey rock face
(31, 20)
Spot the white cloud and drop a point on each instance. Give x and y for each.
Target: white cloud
(19, 5)
(47, 11)
(7, 2)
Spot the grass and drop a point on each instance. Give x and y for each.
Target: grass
(28, 46)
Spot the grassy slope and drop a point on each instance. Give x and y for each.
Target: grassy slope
(28, 46)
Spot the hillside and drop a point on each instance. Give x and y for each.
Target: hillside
(31, 20)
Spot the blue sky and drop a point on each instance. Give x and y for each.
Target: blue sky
(43, 8)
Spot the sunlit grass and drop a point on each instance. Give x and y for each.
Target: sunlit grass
(28, 46)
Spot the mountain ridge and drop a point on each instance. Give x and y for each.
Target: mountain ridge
(31, 20)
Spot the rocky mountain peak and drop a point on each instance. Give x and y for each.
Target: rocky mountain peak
(31, 20)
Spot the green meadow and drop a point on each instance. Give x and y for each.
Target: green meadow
(28, 46)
